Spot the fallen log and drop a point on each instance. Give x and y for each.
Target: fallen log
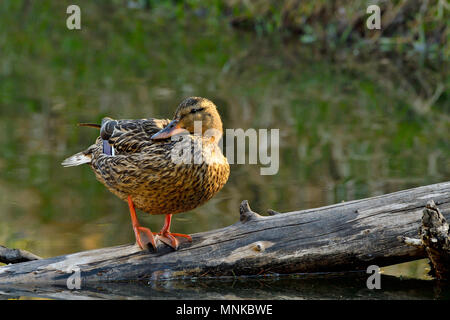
(343, 237)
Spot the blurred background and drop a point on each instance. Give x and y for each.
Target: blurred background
(361, 112)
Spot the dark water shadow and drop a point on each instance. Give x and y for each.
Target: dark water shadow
(349, 286)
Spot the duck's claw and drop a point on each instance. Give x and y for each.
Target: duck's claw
(144, 237)
(170, 238)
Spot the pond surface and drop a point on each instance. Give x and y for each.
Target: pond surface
(350, 126)
(337, 286)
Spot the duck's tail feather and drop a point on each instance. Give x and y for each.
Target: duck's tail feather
(77, 159)
(91, 125)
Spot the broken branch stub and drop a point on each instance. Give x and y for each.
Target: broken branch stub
(246, 213)
(434, 233)
(8, 255)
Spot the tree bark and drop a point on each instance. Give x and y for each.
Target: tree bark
(435, 240)
(347, 236)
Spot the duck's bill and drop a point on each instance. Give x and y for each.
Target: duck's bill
(172, 128)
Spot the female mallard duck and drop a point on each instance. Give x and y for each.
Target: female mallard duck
(138, 161)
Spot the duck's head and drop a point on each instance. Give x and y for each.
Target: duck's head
(191, 115)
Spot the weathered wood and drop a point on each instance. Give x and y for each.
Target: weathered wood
(8, 255)
(341, 237)
(435, 239)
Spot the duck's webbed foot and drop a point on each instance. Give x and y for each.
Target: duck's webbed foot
(170, 238)
(144, 236)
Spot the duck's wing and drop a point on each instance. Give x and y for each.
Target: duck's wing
(129, 136)
(125, 156)
(118, 137)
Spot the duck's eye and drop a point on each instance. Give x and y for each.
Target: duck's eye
(197, 110)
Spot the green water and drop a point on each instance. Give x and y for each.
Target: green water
(351, 126)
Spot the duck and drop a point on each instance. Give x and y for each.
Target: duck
(160, 166)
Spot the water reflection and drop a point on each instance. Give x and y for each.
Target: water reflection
(323, 286)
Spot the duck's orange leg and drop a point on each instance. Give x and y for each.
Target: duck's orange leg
(168, 237)
(140, 232)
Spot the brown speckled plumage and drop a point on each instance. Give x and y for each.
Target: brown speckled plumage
(142, 168)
